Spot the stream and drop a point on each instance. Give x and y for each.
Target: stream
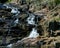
(30, 20)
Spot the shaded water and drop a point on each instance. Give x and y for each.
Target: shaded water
(30, 20)
(16, 21)
(33, 33)
(19, 47)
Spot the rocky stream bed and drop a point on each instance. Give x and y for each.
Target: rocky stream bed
(22, 28)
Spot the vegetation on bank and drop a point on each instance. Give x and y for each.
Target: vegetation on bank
(4, 1)
(35, 1)
(39, 5)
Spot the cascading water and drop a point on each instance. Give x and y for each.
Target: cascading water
(9, 46)
(6, 5)
(16, 21)
(15, 11)
(30, 19)
(33, 33)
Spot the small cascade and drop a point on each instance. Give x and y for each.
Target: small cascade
(14, 10)
(16, 13)
(30, 19)
(16, 21)
(33, 33)
(2, 6)
(9, 46)
(8, 5)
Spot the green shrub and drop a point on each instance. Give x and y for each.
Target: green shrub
(57, 2)
(9, 0)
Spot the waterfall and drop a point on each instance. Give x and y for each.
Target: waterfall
(30, 19)
(15, 11)
(9, 46)
(33, 33)
(7, 6)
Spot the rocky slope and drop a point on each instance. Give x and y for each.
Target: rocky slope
(15, 23)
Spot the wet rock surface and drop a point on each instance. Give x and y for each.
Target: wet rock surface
(18, 21)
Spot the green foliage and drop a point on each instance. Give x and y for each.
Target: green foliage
(9, 0)
(57, 2)
(57, 19)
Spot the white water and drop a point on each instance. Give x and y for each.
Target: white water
(33, 33)
(30, 19)
(16, 21)
(9, 46)
(7, 6)
(15, 11)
